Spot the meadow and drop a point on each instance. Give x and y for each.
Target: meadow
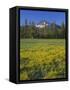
(42, 59)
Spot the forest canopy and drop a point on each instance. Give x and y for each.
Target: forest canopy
(52, 30)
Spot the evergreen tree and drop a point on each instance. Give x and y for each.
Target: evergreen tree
(63, 30)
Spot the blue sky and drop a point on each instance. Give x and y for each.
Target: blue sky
(37, 16)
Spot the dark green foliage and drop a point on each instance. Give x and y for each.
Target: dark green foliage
(51, 31)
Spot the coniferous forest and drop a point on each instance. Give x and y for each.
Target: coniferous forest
(52, 30)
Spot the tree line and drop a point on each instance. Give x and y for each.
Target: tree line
(50, 31)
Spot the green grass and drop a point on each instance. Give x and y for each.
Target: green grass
(31, 43)
(42, 59)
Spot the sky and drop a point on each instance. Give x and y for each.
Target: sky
(37, 16)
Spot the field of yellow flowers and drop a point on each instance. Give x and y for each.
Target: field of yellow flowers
(42, 59)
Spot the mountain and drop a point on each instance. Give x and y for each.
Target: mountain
(44, 23)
